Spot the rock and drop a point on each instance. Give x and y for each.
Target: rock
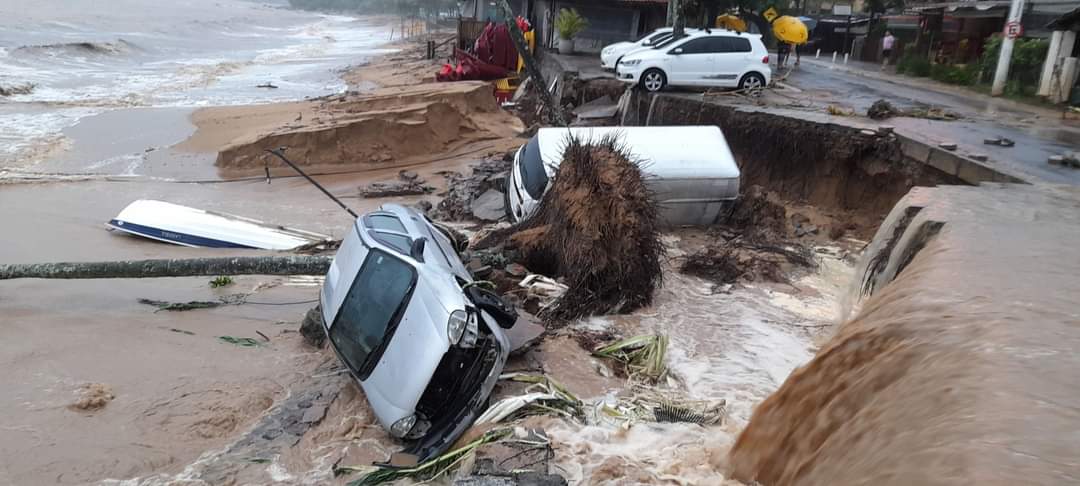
(1056, 160)
(979, 157)
(314, 415)
(490, 206)
(408, 175)
(394, 188)
(881, 110)
(947, 146)
(525, 334)
(312, 327)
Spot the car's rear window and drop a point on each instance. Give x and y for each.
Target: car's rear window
(533, 175)
(371, 310)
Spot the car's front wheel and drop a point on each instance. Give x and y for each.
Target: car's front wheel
(653, 80)
(752, 82)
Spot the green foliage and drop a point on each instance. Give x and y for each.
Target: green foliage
(570, 23)
(962, 75)
(913, 65)
(221, 281)
(1024, 68)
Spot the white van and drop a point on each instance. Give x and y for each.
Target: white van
(689, 168)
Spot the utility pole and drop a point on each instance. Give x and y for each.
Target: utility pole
(530, 65)
(1013, 30)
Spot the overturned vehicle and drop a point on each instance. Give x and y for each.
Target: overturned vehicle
(422, 339)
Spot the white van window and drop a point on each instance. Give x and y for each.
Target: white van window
(533, 175)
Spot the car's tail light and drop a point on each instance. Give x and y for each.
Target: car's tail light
(765, 60)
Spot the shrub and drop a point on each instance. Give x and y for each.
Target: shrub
(1024, 68)
(570, 23)
(913, 65)
(964, 75)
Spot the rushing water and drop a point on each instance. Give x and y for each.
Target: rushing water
(737, 346)
(85, 57)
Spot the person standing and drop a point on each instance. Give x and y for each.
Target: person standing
(886, 48)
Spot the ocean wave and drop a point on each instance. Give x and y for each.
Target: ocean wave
(117, 47)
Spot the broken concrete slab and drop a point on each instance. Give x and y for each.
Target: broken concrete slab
(490, 206)
(602, 107)
(526, 333)
(395, 188)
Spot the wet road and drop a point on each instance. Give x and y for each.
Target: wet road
(1039, 133)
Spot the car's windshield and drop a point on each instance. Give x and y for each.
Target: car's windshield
(533, 175)
(665, 41)
(652, 37)
(371, 310)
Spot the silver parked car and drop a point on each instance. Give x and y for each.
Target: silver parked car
(406, 318)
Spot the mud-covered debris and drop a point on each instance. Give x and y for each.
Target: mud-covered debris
(408, 183)
(881, 110)
(311, 328)
(93, 396)
(738, 260)
(758, 214)
(318, 247)
(597, 230)
(463, 190)
(426, 471)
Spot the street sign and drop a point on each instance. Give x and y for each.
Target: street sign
(841, 9)
(1013, 29)
(770, 14)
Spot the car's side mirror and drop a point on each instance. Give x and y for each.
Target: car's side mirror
(677, 50)
(417, 249)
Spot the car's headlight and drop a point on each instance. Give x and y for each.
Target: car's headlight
(456, 327)
(631, 62)
(402, 427)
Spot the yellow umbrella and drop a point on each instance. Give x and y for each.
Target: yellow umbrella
(789, 29)
(731, 22)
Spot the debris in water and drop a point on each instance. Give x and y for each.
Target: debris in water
(181, 331)
(408, 184)
(642, 356)
(241, 341)
(164, 305)
(17, 89)
(597, 229)
(426, 471)
(543, 396)
(837, 111)
(94, 397)
(881, 110)
(221, 281)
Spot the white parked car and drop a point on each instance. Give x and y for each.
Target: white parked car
(611, 54)
(718, 58)
(692, 182)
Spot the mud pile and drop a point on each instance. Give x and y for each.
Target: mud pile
(597, 229)
(959, 369)
(381, 128)
(750, 243)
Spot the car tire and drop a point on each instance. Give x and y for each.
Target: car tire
(752, 81)
(653, 80)
(505, 314)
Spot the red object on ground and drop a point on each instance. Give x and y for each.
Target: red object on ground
(495, 47)
(469, 67)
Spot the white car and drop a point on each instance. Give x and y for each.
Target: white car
(609, 57)
(718, 58)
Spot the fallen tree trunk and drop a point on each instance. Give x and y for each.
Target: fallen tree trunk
(185, 267)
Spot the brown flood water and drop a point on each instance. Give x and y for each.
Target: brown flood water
(960, 371)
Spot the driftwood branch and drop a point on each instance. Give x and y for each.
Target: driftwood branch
(188, 267)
